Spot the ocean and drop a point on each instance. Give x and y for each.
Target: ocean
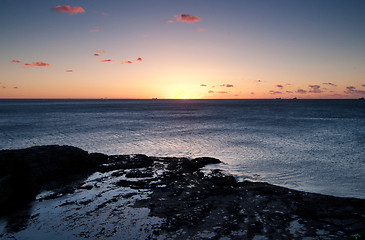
(310, 145)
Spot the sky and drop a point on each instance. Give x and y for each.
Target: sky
(200, 49)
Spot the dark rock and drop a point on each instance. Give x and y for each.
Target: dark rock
(189, 201)
(24, 172)
(138, 174)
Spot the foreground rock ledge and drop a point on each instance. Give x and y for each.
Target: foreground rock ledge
(190, 204)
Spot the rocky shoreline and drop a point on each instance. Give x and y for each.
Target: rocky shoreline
(96, 196)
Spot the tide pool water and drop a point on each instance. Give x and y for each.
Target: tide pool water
(311, 145)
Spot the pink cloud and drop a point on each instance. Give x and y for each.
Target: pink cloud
(70, 71)
(201, 30)
(275, 92)
(125, 62)
(104, 14)
(226, 85)
(99, 52)
(107, 60)
(314, 89)
(330, 84)
(139, 59)
(68, 9)
(203, 85)
(94, 30)
(36, 64)
(210, 91)
(353, 90)
(301, 91)
(187, 18)
(170, 21)
(222, 92)
(15, 61)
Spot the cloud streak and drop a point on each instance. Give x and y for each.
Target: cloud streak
(315, 89)
(330, 84)
(15, 61)
(94, 30)
(125, 62)
(36, 64)
(99, 52)
(301, 91)
(106, 60)
(227, 85)
(68, 9)
(274, 92)
(187, 18)
(353, 90)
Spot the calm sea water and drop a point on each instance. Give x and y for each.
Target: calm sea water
(312, 145)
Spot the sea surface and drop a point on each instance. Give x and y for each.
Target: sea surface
(311, 145)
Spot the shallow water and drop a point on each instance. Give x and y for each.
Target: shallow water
(312, 145)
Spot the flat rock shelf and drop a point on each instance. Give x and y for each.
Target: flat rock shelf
(63, 192)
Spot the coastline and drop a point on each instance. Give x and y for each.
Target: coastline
(175, 197)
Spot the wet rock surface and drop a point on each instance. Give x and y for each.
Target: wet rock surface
(60, 192)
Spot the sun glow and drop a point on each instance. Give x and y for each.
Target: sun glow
(183, 96)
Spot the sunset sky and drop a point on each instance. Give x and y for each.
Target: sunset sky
(182, 49)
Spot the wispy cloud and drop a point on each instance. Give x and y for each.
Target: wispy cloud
(330, 84)
(37, 64)
(15, 61)
(353, 90)
(201, 30)
(107, 60)
(315, 88)
(70, 71)
(68, 9)
(274, 92)
(227, 85)
(94, 30)
(222, 92)
(210, 91)
(15, 87)
(301, 91)
(104, 14)
(363, 85)
(203, 85)
(187, 18)
(279, 86)
(288, 91)
(99, 52)
(125, 62)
